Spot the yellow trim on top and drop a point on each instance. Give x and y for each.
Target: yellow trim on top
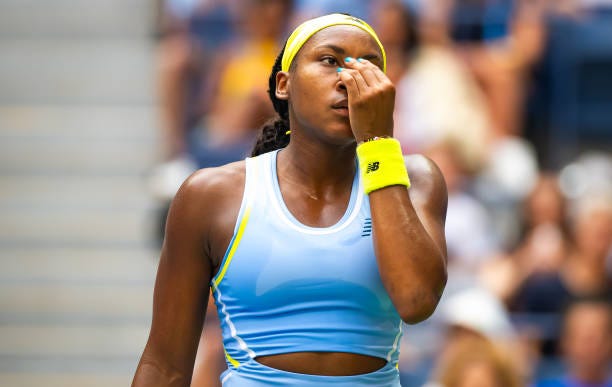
(234, 246)
(231, 360)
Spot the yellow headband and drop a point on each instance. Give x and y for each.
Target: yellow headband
(310, 27)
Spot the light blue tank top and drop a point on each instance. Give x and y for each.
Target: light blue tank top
(286, 287)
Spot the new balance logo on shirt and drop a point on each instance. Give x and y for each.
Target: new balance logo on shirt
(367, 227)
(373, 166)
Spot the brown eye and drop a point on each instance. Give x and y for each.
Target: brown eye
(330, 60)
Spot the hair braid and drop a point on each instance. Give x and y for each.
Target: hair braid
(273, 133)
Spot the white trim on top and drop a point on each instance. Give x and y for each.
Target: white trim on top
(271, 194)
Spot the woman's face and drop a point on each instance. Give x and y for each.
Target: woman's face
(318, 104)
(545, 204)
(478, 374)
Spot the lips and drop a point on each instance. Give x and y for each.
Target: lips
(342, 104)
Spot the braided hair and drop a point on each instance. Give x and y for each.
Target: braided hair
(273, 133)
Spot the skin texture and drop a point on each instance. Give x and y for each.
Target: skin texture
(587, 341)
(328, 111)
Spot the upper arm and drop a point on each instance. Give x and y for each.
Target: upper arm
(429, 197)
(183, 278)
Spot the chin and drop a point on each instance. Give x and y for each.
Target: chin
(341, 129)
(342, 136)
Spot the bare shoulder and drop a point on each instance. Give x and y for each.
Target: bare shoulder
(209, 182)
(428, 187)
(204, 210)
(210, 190)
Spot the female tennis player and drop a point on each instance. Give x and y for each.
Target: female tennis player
(317, 247)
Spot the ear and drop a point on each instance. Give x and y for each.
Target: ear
(282, 85)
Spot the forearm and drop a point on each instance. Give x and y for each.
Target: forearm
(411, 263)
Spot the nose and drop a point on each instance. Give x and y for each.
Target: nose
(340, 86)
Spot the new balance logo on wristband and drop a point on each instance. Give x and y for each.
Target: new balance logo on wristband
(373, 166)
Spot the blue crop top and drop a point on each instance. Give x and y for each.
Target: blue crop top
(287, 287)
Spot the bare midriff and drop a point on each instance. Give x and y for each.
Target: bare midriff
(323, 363)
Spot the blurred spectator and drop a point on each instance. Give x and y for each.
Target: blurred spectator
(475, 311)
(213, 77)
(191, 31)
(396, 27)
(568, 109)
(528, 278)
(586, 345)
(481, 347)
(438, 99)
(441, 100)
(538, 274)
(236, 99)
(553, 274)
(476, 363)
(541, 250)
(214, 94)
(472, 91)
(587, 271)
(555, 263)
(545, 204)
(544, 234)
(502, 66)
(469, 237)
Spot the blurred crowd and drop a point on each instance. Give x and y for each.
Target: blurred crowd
(513, 101)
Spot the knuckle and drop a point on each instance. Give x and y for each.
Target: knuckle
(389, 87)
(381, 90)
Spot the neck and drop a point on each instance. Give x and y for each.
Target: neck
(316, 165)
